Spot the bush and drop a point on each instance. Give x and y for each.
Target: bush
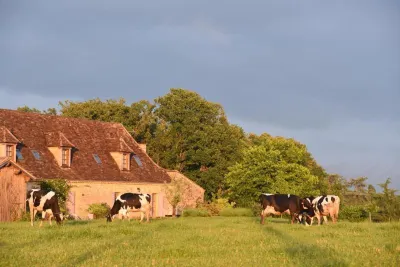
(196, 213)
(353, 213)
(236, 212)
(216, 205)
(60, 187)
(99, 209)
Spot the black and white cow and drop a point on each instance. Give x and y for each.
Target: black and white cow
(131, 202)
(45, 202)
(327, 205)
(278, 204)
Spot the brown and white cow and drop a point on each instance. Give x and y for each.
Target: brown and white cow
(278, 204)
(43, 201)
(131, 202)
(327, 205)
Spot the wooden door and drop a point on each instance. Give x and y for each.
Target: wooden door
(13, 194)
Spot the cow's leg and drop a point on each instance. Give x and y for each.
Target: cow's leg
(31, 213)
(319, 219)
(43, 218)
(325, 219)
(148, 214)
(34, 215)
(141, 215)
(262, 216)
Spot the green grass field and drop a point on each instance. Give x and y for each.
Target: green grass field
(212, 241)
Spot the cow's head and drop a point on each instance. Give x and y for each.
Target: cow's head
(307, 207)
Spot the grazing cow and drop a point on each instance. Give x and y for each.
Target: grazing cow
(324, 206)
(42, 200)
(278, 204)
(130, 202)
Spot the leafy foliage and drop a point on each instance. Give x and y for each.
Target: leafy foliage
(99, 209)
(354, 213)
(60, 187)
(195, 138)
(276, 165)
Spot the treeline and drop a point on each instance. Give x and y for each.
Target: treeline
(184, 131)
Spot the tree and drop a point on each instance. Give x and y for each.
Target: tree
(337, 185)
(277, 165)
(49, 111)
(174, 192)
(388, 202)
(358, 184)
(194, 136)
(137, 118)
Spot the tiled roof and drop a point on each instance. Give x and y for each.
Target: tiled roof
(6, 136)
(37, 132)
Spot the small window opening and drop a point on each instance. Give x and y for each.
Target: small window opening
(65, 157)
(138, 161)
(96, 158)
(19, 155)
(36, 154)
(125, 161)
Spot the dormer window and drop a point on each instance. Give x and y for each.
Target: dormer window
(65, 157)
(125, 161)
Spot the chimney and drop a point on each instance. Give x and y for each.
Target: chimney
(143, 148)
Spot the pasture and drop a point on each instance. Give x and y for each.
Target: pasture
(190, 241)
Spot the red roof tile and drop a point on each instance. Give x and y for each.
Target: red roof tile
(38, 132)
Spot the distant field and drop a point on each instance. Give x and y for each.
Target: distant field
(215, 241)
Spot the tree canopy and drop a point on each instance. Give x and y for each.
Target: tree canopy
(273, 165)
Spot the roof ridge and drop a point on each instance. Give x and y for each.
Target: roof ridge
(5, 131)
(58, 116)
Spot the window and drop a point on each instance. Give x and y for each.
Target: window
(19, 155)
(36, 154)
(96, 158)
(10, 151)
(138, 161)
(65, 157)
(125, 161)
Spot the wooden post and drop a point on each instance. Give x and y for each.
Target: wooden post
(370, 217)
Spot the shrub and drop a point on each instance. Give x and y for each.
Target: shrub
(353, 213)
(216, 205)
(99, 209)
(196, 213)
(236, 212)
(60, 187)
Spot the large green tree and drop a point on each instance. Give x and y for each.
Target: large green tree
(274, 165)
(195, 137)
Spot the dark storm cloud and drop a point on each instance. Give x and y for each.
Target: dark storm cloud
(295, 65)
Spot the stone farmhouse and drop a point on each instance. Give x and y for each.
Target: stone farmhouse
(99, 160)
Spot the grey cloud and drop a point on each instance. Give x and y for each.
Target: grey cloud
(273, 58)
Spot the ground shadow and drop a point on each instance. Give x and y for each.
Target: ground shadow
(315, 255)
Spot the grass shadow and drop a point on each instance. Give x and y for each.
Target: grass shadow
(76, 222)
(306, 254)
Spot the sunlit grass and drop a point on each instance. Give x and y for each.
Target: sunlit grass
(199, 241)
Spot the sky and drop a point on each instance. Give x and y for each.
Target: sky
(326, 73)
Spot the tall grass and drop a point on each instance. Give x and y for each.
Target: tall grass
(198, 241)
